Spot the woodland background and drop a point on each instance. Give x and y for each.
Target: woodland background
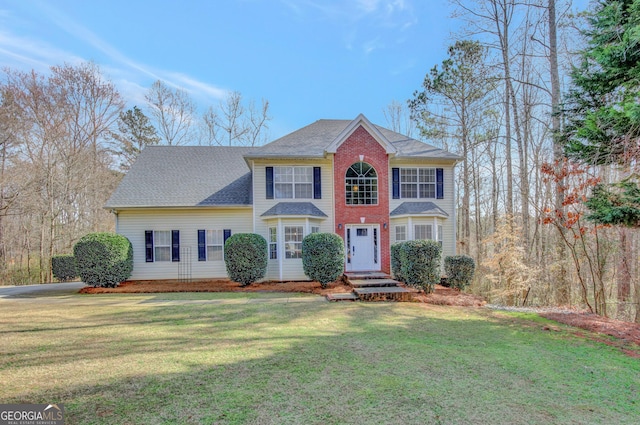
(514, 98)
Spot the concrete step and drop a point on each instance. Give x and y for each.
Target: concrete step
(365, 283)
(350, 296)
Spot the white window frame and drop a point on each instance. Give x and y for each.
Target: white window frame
(419, 228)
(273, 243)
(293, 182)
(419, 181)
(293, 241)
(165, 247)
(214, 238)
(401, 230)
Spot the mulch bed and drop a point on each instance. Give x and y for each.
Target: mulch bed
(624, 332)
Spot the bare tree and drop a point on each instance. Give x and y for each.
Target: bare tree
(398, 118)
(173, 113)
(233, 123)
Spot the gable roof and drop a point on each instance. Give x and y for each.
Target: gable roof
(324, 136)
(186, 176)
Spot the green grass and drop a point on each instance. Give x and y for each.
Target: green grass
(308, 363)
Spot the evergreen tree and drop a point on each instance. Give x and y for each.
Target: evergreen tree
(135, 132)
(603, 111)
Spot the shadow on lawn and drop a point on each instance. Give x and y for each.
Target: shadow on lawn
(349, 363)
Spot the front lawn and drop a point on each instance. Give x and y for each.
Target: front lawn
(308, 363)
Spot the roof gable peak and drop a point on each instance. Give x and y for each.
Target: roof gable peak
(361, 120)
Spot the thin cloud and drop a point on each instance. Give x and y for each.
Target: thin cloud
(170, 77)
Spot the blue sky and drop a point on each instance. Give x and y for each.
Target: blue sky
(311, 59)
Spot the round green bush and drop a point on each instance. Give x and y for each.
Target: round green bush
(245, 255)
(323, 257)
(63, 267)
(421, 263)
(103, 259)
(459, 270)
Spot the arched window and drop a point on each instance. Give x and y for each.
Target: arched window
(361, 184)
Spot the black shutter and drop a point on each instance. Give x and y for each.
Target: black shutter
(175, 245)
(148, 245)
(395, 172)
(439, 183)
(317, 184)
(269, 177)
(226, 234)
(202, 246)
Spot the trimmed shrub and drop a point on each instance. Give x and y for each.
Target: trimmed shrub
(103, 259)
(396, 261)
(459, 270)
(323, 257)
(420, 263)
(245, 255)
(63, 267)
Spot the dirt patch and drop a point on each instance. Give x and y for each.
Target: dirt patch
(624, 332)
(155, 286)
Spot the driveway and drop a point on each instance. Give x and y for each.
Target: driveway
(62, 293)
(47, 289)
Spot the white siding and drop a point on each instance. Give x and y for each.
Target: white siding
(283, 268)
(133, 223)
(447, 203)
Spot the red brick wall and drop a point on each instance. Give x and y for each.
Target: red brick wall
(362, 143)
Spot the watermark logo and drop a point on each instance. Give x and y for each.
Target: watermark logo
(31, 414)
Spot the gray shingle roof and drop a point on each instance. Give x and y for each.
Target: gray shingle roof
(294, 208)
(415, 208)
(186, 176)
(313, 140)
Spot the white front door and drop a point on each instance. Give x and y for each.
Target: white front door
(362, 244)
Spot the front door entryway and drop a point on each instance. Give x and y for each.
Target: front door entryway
(363, 248)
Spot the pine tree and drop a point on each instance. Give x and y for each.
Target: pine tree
(135, 132)
(603, 112)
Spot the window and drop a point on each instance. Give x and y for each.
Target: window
(440, 236)
(293, 182)
(162, 245)
(215, 245)
(361, 185)
(315, 229)
(401, 233)
(273, 243)
(293, 241)
(418, 182)
(423, 231)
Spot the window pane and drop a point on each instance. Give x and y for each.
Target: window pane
(163, 253)
(293, 241)
(408, 175)
(284, 190)
(427, 190)
(303, 174)
(272, 234)
(283, 174)
(427, 175)
(162, 237)
(304, 190)
(361, 185)
(423, 231)
(214, 253)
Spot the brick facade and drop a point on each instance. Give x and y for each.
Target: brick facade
(360, 142)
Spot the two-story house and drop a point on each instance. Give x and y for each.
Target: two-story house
(372, 186)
